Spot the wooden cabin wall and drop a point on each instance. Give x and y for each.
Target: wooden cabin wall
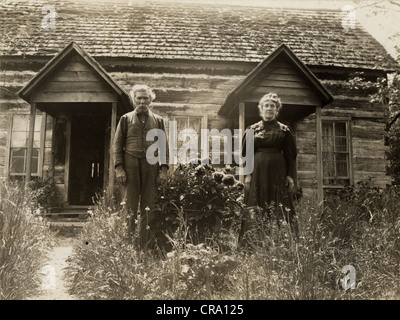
(4, 119)
(200, 89)
(367, 132)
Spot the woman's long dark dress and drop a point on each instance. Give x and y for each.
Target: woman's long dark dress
(274, 159)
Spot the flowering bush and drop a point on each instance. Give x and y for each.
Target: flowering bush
(210, 200)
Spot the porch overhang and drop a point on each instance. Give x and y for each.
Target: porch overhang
(261, 81)
(52, 86)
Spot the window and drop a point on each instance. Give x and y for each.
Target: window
(19, 145)
(336, 160)
(194, 124)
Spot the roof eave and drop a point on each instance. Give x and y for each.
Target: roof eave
(322, 90)
(26, 91)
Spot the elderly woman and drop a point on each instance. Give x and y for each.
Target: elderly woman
(271, 184)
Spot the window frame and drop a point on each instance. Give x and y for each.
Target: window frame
(348, 123)
(42, 134)
(204, 124)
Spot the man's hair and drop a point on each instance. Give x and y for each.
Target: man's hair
(142, 87)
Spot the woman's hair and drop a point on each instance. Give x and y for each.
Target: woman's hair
(273, 97)
(142, 87)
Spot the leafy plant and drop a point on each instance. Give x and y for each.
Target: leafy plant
(24, 240)
(211, 201)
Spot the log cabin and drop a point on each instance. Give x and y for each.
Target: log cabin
(67, 69)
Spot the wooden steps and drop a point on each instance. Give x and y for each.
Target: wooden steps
(69, 214)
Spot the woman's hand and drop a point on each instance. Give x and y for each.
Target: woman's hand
(247, 181)
(163, 174)
(290, 183)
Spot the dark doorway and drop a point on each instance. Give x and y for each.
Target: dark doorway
(86, 158)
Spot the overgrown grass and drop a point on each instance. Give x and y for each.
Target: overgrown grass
(24, 240)
(361, 229)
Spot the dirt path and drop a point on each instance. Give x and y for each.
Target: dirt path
(53, 287)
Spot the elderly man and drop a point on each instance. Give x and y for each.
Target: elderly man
(133, 171)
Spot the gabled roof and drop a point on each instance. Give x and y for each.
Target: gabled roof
(282, 50)
(52, 65)
(188, 31)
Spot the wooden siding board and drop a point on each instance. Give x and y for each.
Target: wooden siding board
(74, 97)
(75, 76)
(76, 86)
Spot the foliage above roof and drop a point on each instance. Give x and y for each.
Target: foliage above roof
(187, 31)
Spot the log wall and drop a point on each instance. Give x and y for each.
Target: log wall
(201, 92)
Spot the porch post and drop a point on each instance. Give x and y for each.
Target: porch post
(318, 123)
(112, 135)
(242, 128)
(30, 143)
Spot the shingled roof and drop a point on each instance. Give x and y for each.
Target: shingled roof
(188, 31)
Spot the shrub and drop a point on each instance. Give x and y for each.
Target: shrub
(24, 239)
(211, 202)
(105, 265)
(45, 192)
(361, 231)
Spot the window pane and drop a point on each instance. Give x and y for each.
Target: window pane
(340, 129)
(327, 137)
(341, 165)
(328, 168)
(20, 123)
(335, 156)
(35, 163)
(18, 160)
(341, 144)
(192, 123)
(18, 140)
(20, 131)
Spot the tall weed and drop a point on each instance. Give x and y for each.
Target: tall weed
(24, 241)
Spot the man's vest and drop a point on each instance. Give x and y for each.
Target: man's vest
(131, 135)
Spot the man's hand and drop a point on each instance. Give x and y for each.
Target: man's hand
(120, 174)
(290, 183)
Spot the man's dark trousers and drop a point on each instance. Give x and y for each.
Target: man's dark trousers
(141, 187)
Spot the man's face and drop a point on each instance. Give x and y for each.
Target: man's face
(142, 100)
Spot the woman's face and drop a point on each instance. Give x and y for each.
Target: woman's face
(268, 110)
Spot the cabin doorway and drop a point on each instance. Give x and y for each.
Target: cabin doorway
(86, 170)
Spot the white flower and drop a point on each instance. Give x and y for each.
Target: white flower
(185, 268)
(123, 203)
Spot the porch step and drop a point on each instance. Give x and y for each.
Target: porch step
(69, 224)
(69, 213)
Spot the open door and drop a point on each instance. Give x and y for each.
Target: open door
(86, 172)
